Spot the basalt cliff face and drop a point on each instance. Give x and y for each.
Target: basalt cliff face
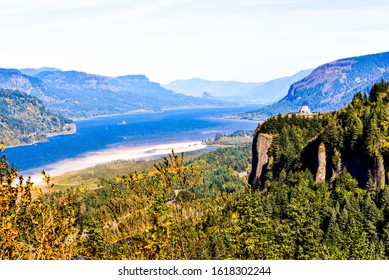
(353, 140)
(324, 165)
(261, 145)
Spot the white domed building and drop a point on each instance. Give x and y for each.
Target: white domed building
(304, 110)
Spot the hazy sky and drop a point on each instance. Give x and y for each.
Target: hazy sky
(242, 40)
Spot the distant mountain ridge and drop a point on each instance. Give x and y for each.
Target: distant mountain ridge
(262, 92)
(276, 89)
(197, 86)
(13, 79)
(77, 94)
(332, 85)
(34, 71)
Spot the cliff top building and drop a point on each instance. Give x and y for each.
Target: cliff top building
(304, 110)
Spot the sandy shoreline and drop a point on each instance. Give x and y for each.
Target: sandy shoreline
(120, 153)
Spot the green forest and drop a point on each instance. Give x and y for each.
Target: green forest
(202, 207)
(24, 119)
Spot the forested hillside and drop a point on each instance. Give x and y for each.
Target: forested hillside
(24, 119)
(324, 180)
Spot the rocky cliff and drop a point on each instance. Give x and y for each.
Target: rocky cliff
(323, 163)
(321, 166)
(353, 140)
(260, 151)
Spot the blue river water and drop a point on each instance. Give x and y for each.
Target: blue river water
(138, 129)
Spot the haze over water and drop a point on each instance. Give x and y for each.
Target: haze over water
(141, 129)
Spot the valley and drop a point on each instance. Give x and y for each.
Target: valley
(185, 183)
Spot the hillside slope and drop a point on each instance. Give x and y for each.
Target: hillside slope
(276, 89)
(24, 119)
(332, 85)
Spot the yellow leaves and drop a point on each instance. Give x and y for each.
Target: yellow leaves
(149, 246)
(46, 178)
(234, 215)
(7, 226)
(34, 228)
(37, 190)
(25, 199)
(385, 147)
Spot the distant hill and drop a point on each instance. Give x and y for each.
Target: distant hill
(78, 95)
(15, 80)
(276, 89)
(24, 119)
(33, 71)
(332, 85)
(196, 87)
(262, 92)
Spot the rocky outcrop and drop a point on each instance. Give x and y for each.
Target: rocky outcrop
(260, 149)
(379, 172)
(321, 169)
(323, 162)
(70, 128)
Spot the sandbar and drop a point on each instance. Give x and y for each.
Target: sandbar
(92, 159)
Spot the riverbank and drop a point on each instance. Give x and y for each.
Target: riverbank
(109, 155)
(68, 129)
